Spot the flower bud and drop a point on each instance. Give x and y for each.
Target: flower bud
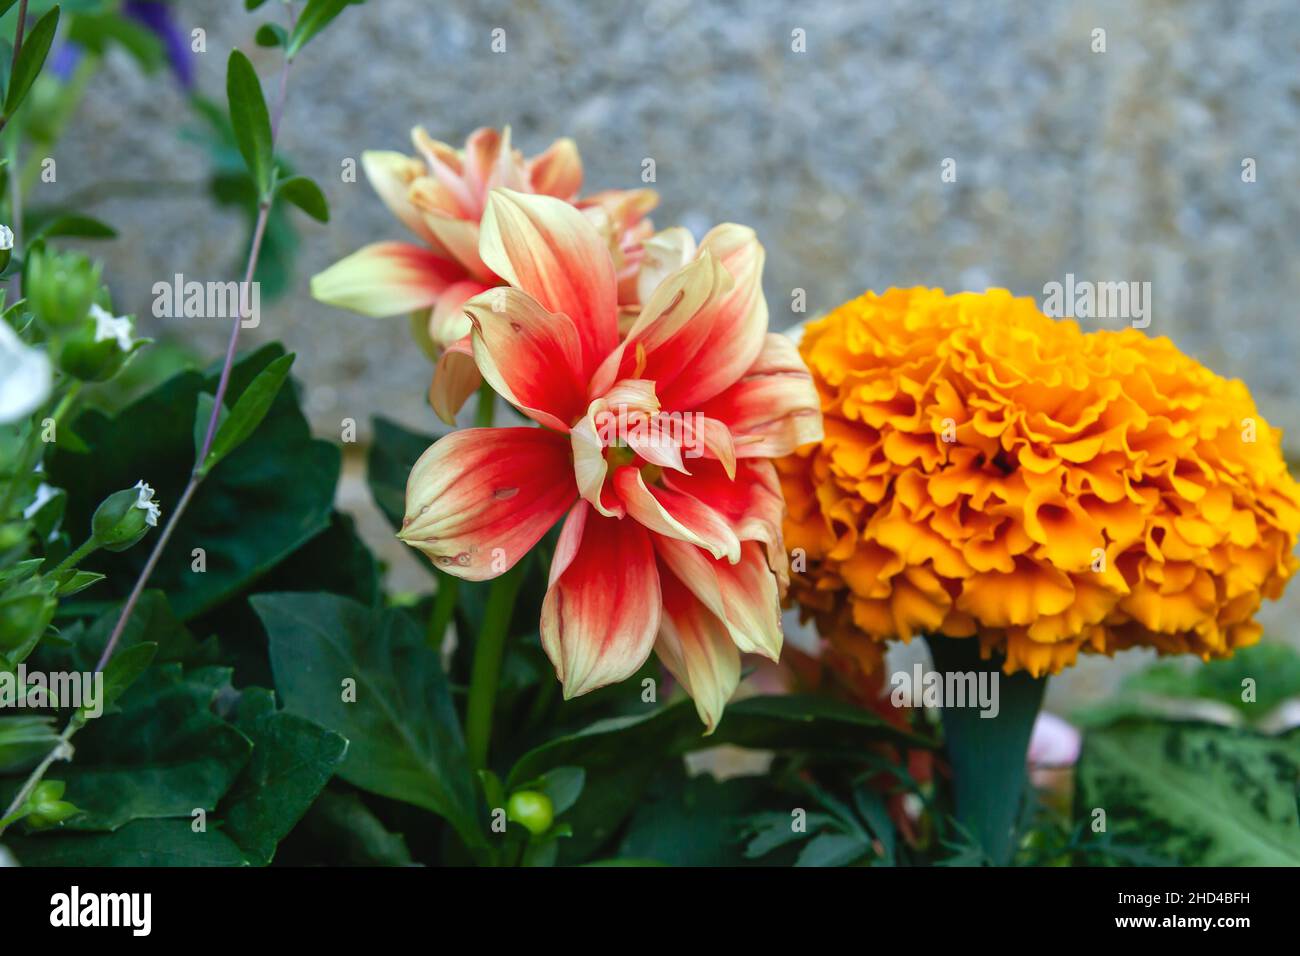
(48, 806)
(124, 517)
(532, 810)
(99, 347)
(60, 286)
(25, 613)
(6, 246)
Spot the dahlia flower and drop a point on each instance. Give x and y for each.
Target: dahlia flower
(654, 449)
(440, 197)
(990, 472)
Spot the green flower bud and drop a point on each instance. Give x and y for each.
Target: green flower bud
(532, 810)
(48, 806)
(99, 347)
(6, 246)
(25, 613)
(124, 517)
(60, 286)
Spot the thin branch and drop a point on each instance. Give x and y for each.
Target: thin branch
(254, 251)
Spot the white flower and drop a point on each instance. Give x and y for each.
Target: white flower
(6, 238)
(108, 326)
(144, 501)
(25, 376)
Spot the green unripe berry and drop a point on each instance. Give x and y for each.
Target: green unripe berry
(531, 810)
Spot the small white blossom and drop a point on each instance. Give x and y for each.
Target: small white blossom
(6, 238)
(144, 501)
(108, 326)
(26, 376)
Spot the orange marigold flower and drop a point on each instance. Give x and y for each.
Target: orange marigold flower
(988, 471)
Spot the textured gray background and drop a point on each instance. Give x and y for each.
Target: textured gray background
(1123, 165)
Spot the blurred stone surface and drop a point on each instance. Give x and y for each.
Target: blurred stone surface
(1122, 165)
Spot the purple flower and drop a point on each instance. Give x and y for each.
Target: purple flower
(156, 17)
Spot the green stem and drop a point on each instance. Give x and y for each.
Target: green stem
(987, 754)
(60, 751)
(486, 411)
(486, 674)
(444, 606)
(76, 557)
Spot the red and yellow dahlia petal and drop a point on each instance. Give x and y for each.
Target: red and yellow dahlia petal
(697, 649)
(478, 499)
(546, 248)
(455, 378)
(742, 595)
(676, 514)
(752, 504)
(774, 407)
(391, 174)
(728, 333)
(557, 171)
(531, 357)
(386, 278)
(602, 609)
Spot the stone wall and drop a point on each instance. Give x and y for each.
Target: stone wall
(1116, 165)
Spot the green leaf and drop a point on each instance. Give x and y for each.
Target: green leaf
(340, 830)
(293, 758)
(78, 581)
(623, 755)
(871, 807)
(785, 722)
(164, 754)
(203, 417)
(306, 195)
(20, 572)
(153, 622)
(30, 60)
(563, 786)
(392, 454)
(24, 741)
(272, 495)
(122, 670)
(833, 849)
(144, 843)
(1196, 794)
(315, 17)
(249, 119)
(271, 35)
(98, 31)
(691, 821)
(70, 224)
(249, 410)
(405, 741)
(771, 830)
